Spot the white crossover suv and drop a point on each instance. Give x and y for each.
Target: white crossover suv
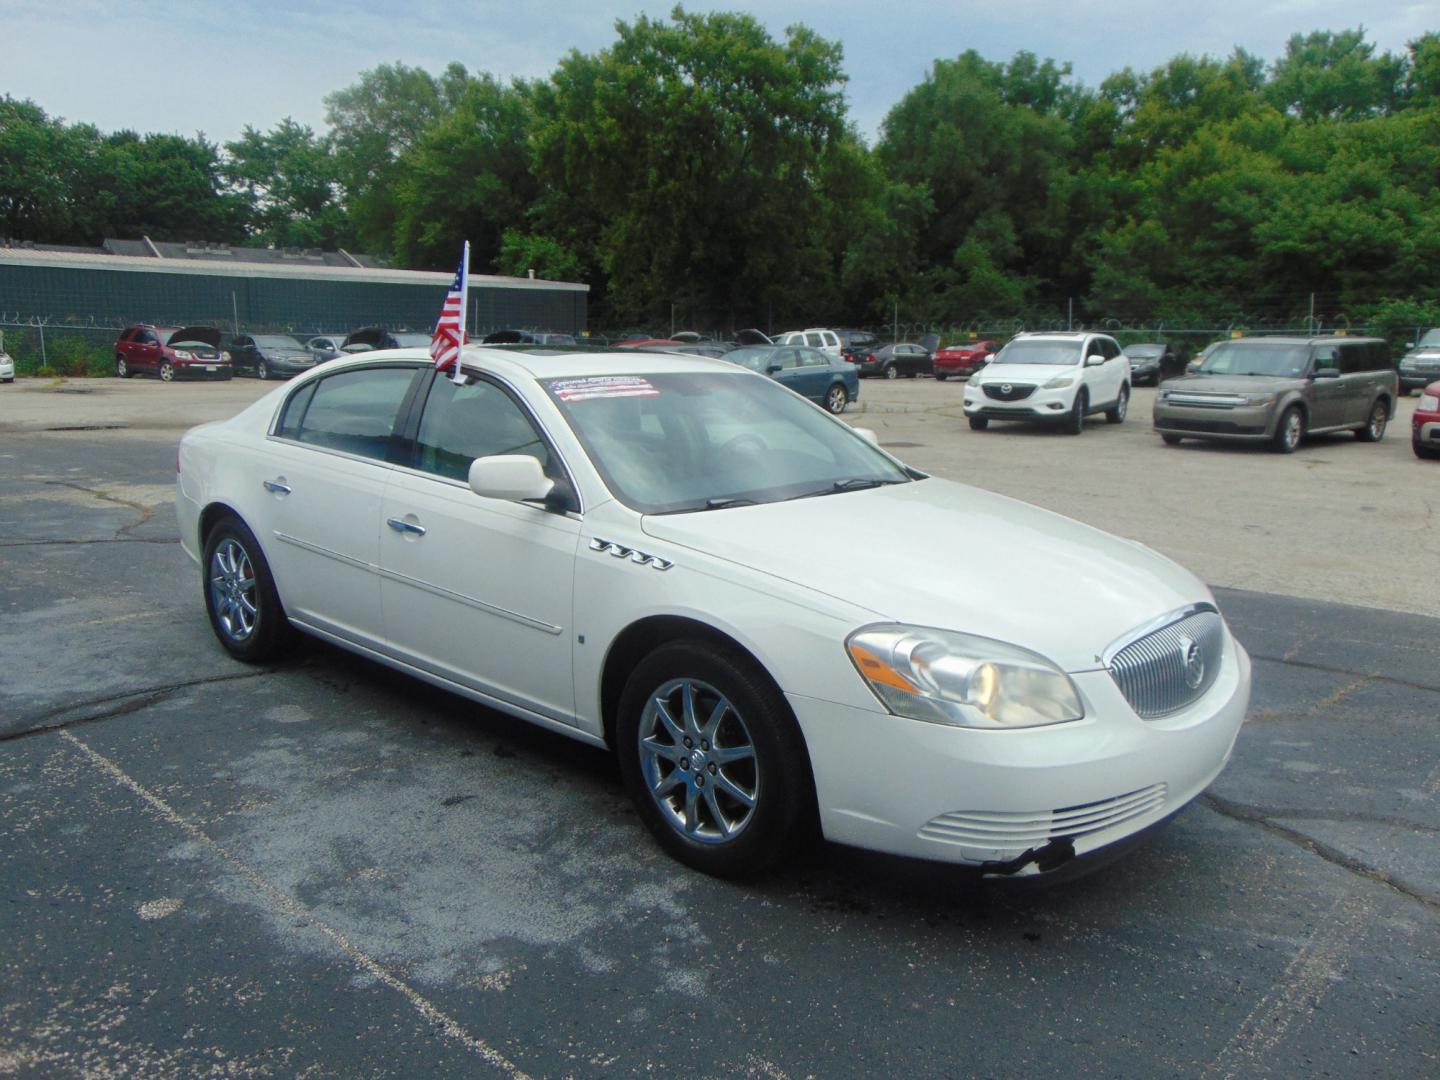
(1058, 378)
(638, 550)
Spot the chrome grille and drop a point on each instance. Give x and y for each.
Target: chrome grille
(1163, 670)
(1005, 830)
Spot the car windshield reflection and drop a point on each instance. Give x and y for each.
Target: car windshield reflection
(679, 442)
(1053, 353)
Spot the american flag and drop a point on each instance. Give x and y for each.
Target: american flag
(450, 330)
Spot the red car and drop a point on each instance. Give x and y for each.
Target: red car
(1425, 424)
(187, 352)
(963, 359)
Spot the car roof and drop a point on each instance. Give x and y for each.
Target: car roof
(554, 363)
(1320, 339)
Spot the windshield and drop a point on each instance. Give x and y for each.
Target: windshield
(1040, 352)
(1431, 340)
(683, 441)
(1144, 352)
(1273, 358)
(278, 341)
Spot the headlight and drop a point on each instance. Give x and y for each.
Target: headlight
(225, 356)
(949, 678)
(1059, 382)
(183, 354)
(1259, 399)
(1428, 403)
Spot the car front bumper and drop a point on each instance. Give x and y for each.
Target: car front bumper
(200, 369)
(1041, 404)
(1425, 429)
(990, 799)
(1254, 423)
(1417, 380)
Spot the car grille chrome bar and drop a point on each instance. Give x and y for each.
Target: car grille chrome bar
(1163, 670)
(1006, 830)
(1204, 401)
(1008, 391)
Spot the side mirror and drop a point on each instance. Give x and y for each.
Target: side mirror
(868, 435)
(513, 477)
(1094, 360)
(1193, 366)
(1325, 373)
(772, 369)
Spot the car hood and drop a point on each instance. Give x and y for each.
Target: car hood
(1024, 373)
(206, 335)
(1233, 384)
(941, 554)
(1423, 354)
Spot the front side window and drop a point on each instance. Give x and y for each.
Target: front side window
(673, 442)
(352, 411)
(1327, 358)
(471, 420)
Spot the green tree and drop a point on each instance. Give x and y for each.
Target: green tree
(1329, 76)
(289, 181)
(682, 164)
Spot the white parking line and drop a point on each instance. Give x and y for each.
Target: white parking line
(287, 905)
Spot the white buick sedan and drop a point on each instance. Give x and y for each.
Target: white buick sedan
(663, 556)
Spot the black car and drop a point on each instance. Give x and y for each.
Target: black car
(1150, 362)
(378, 337)
(903, 358)
(272, 356)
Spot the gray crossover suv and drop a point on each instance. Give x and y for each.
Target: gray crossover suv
(1279, 389)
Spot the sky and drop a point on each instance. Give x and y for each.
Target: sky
(215, 66)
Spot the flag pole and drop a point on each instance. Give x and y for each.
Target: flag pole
(464, 306)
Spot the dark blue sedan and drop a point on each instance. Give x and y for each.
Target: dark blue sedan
(824, 379)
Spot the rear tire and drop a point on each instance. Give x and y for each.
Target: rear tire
(713, 759)
(979, 423)
(240, 596)
(1374, 429)
(890, 372)
(1116, 413)
(1289, 431)
(122, 369)
(836, 399)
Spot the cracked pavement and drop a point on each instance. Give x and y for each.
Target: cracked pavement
(322, 868)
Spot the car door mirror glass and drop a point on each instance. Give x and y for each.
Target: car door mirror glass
(513, 477)
(1094, 360)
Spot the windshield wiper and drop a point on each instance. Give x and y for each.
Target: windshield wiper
(722, 503)
(854, 483)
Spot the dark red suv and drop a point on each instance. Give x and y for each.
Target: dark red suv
(187, 352)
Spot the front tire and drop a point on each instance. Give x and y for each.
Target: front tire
(713, 759)
(940, 376)
(240, 596)
(1289, 431)
(1075, 422)
(1170, 440)
(167, 372)
(262, 370)
(979, 423)
(1374, 429)
(1116, 413)
(836, 399)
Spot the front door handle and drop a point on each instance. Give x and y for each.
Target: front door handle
(401, 526)
(276, 486)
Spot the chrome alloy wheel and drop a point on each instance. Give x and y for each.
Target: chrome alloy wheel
(1294, 426)
(232, 590)
(697, 760)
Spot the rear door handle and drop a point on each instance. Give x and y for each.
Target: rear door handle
(405, 526)
(276, 486)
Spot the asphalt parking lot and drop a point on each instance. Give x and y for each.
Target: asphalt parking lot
(323, 869)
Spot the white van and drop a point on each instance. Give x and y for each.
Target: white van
(827, 340)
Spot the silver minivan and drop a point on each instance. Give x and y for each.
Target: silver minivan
(1280, 389)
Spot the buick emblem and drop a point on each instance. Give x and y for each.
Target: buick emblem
(1193, 661)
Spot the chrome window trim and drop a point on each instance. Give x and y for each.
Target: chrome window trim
(1130, 637)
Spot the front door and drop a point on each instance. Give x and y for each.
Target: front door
(477, 590)
(1328, 406)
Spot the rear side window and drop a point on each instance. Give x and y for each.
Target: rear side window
(352, 411)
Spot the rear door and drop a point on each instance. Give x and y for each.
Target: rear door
(327, 466)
